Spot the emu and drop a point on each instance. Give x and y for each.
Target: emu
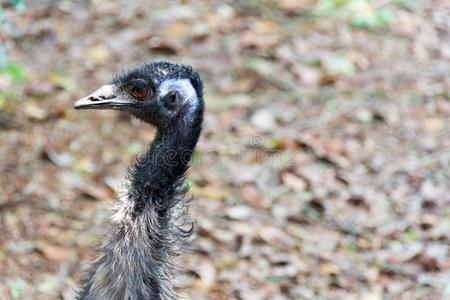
(135, 259)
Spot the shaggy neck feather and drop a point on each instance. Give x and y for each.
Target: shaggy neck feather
(144, 235)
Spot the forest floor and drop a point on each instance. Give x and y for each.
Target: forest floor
(322, 171)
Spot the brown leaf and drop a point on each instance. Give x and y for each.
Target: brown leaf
(53, 252)
(296, 6)
(97, 192)
(177, 30)
(165, 46)
(271, 235)
(434, 124)
(34, 112)
(251, 194)
(99, 54)
(328, 269)
(208, 274)
(253, 40)
(208, 192)
(428, 264)
(292, 181)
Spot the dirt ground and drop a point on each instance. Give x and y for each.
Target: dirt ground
(322, 171)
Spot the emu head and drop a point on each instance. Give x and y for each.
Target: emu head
(160, 93)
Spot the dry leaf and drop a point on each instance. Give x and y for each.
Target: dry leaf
(209, 192)
(251, 194)
(264, 119)
(208, 274)
(97, 192)
(166, 46)
(53, 252)
(238, 212)
(99, 54)
(34, 112)
(296, 6)
(328, 269)
(294, 182)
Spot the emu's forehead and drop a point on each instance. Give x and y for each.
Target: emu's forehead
(156, 71)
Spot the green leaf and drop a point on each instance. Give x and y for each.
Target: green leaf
(253, 62)
(385, 15)
(15, 71)
(370, 19)
(409, 236)
(16, 287)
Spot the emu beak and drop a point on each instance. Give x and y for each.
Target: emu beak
(106, 97)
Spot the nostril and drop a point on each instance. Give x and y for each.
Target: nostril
(93, 99)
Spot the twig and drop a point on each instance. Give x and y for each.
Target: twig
(12, 204)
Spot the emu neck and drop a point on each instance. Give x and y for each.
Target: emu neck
(135, 260)
(157, 173)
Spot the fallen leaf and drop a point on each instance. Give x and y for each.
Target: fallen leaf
(59, 159)
(328, 269)
(177, 29)
(240, 212)
(166, 46)
(209, 192)
(296, 6)
(337, 65)
(372, 296)
(294, 182)
(434, 124)
(208, 274)
(264, 119)
(99, 54)
(308, 76)
(34, 112)
(53, 252)
(97, 192)
(251, 194)
(253, 40)
(62, 81)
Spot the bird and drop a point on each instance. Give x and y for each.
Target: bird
(135, 261)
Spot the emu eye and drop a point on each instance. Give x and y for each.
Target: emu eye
(138, 92)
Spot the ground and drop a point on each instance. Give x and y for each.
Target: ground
(322, 171)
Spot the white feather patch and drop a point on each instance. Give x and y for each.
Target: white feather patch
(184, 86)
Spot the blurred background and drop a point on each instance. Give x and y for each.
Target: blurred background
(346, 102)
